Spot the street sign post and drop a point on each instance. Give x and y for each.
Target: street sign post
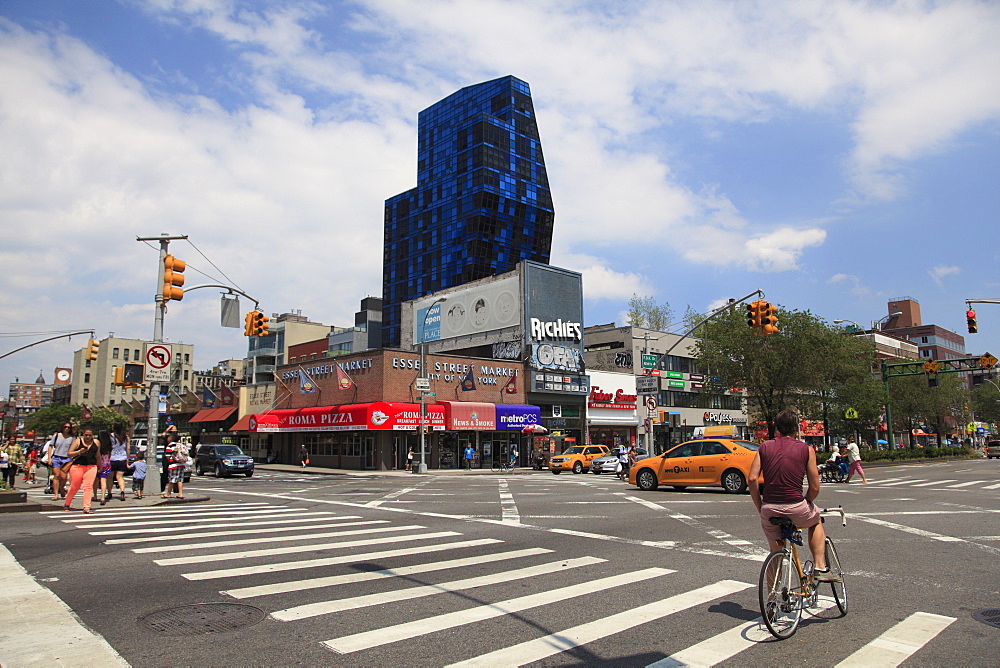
(647, 384)
(648, 361)
(158, 358)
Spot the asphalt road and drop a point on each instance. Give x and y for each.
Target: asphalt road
(528, 568)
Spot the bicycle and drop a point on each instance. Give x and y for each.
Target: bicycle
(502, 466)
(787, 586)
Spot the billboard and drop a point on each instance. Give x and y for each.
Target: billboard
(471, 310)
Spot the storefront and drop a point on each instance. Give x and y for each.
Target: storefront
(363, 411)
(612, 409)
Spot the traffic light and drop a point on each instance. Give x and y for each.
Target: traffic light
(129, 375)
(93, 347)
(248, 328)
(970, 318)
(754, 314)
(768, 319)
(260, 325)
(173, 278)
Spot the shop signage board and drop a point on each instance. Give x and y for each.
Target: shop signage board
(379, 415)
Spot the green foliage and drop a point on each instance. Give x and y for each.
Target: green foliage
(645, 312)
(808, 366)
(47, 421)
(985, 402)
(914, 402)
(919, 453)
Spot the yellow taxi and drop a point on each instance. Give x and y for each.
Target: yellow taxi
(707, 462)
(577, 458)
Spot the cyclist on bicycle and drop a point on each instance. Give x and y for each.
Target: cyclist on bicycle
(784, 461)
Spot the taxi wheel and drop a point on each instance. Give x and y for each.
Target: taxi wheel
(556, 472)
(733, 482)
(646, 480)
(577, 468)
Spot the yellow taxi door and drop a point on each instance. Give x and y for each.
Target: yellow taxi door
(675, 465)
(591, 453)
(709, 465)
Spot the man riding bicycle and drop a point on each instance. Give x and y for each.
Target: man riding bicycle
(784, 461)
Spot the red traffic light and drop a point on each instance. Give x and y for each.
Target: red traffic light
(970, 318)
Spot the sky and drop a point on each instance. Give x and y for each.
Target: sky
(833, 154)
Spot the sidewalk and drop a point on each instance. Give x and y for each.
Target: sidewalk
(319, 470)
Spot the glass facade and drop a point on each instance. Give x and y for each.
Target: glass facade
(482, 202)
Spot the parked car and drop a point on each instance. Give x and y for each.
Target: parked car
(222, 460)
(609, 463)
(992, 449)
(576, 458)
(720, 462)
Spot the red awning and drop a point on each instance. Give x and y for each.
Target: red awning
(469, 415)
(212, 415)
(243, 424)
(378, 415)
(202, 415)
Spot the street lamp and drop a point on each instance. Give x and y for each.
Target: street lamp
(882, 322)
(843, 320)
(422, 467)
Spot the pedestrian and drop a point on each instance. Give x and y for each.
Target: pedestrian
(61, 443)
(103, 467)
(784, 462)
(854, 462)
(85, 452)
(31, 466)
(138, 476)
(119, 456)
(625, 458)
(46, 461)
(304, 455)
(9, 458)
(168, 437)
(468, 453)
(175, 455)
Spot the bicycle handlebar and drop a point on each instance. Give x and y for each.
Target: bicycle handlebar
(834, 511)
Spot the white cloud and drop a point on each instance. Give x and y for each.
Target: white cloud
(940, 272)
(853, 283)
(601, 281)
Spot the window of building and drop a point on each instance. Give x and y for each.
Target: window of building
(187, 358)
(125, 354)
(185, 374)
(114, 354)
(925, 353)
(86, 393)
(923, 339)
(136, 356)
(86, 377)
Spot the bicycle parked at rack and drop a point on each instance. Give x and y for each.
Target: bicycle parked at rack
(787, 585)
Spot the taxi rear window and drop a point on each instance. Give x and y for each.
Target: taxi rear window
(747, 444)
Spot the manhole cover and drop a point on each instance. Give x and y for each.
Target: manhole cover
(989, 616)
(201, 618)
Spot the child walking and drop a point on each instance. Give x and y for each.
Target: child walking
(138, 476)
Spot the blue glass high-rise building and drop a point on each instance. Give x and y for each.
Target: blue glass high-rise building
(482, 202)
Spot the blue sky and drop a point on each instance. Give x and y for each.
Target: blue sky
(834, 154)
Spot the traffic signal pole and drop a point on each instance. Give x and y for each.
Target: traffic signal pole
(153, 420)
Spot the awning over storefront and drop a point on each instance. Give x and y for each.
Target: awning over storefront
(380, 415)
(469, 415)
(630, 421)
(513, 417)
(243, 424)
(212, 414)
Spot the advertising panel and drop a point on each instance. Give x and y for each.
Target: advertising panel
(511, 417)
(553, 329)
(378, 415)
(479, 308)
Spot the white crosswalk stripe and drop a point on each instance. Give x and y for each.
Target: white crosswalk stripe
(240, 525)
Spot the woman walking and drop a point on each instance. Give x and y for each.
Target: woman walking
(59, 452)
(103, 467)
(86, 452)
(119, 456)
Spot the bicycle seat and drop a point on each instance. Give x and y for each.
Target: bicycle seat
(782, 522)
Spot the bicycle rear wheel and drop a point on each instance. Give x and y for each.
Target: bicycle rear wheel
(839, 588)
(497, 467)
(779, 593)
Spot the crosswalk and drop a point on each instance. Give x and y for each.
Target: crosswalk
(339, 562)
(986, 484)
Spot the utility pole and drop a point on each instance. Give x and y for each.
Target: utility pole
(153, 420)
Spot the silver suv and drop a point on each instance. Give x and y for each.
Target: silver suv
(992, 449)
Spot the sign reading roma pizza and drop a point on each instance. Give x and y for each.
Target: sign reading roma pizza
(379, 415)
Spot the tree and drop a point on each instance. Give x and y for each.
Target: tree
(48, 420)
(985, 402)
(808, 365)
(645, 312)
(915, 404)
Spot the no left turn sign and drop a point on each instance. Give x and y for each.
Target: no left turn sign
(157, 367)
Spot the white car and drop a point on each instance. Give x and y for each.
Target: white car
(609, 463)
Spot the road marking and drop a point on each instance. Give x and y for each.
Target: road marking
(390, 496)
(996, 486)
(275, 539)
(729, 643)
(934, 482)
(967, 484)
(102, 522)
(323, 515)
(886, 480)
(390, 634)
(351, 578)
(367, 600)
(235, 532)
(254, 554)
(508, 509)
(906, 529)
(900, 642)
(540, 648)
(903, 482)
(341, 559)
(174, 510)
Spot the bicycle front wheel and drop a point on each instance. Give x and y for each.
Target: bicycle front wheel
(779, 591)
(839, 588)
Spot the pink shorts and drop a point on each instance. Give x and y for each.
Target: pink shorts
(856, 467)
(803, 513)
